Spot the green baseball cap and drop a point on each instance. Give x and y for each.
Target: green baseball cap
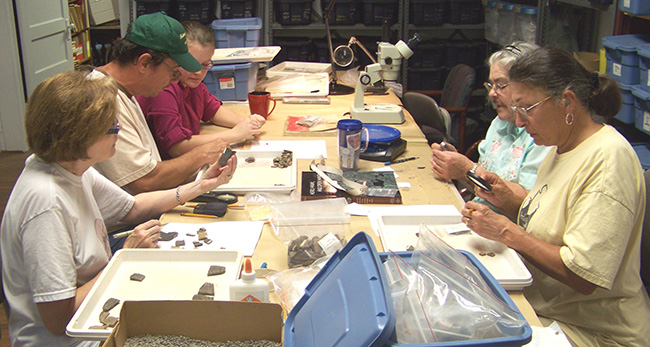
(164, 34)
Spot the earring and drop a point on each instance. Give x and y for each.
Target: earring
(566, 119)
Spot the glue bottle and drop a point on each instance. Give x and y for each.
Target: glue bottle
(249, 288)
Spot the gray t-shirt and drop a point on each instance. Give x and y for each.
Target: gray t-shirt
(53, 239)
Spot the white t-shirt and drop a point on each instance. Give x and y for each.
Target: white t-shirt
(591, 202)
(52, 240)
(136, 153)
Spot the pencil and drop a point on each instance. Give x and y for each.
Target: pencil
(198, 215)
(129, 232)
(400, 160)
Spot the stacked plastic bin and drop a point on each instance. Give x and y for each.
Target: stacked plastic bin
(234, 81)
(628, 58)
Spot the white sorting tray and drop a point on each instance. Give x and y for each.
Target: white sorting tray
(398, 230)
(260, 175)
(244, 54)
(173, 274)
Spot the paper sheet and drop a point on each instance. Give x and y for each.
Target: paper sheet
(238, 236)
(308, 149)
(549, 336)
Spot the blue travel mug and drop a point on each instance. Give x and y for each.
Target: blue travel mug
(349, 135)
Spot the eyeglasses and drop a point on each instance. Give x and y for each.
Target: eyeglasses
(115, 129)
(498, 87)
(524, 110)
(207, 66)
(175, 74)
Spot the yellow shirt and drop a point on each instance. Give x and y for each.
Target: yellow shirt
(591, 202)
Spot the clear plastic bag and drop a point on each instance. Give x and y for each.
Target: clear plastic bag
(258, 205)
(311, 229)
(446, 298)
(289, 285)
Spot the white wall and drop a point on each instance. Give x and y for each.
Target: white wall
(12, 99)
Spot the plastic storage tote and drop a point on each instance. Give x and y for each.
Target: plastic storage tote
(644, 66)
(506, 25)
(353, 287)
(232, 81)
(293, 12)
(642, 105)
(627, 112)
(637, 7)
(237, 32)
(428, 12)
(525, 23)
(622, 58)
(491, 21)
(236, 8)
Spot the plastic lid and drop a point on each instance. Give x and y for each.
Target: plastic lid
(527, 10)
(626, 42)
(249, 274)
(640, 93)
(506, 6)
(644, 50)
(380, 133)
(237, 23)
(346, 304)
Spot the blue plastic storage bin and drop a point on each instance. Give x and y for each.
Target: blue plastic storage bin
(232, 81)
(642, 105)
(348, 303)
(643, 152)
(237, 32)
(637, 7)
(628, 112)
(622, 58)
(644, 66)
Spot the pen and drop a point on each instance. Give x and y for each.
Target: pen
(198, 215)
(128, 232)
(400, 160)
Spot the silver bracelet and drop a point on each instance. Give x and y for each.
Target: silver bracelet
(178, 195)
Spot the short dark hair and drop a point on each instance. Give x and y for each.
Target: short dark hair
(67, 113)
(555, 70)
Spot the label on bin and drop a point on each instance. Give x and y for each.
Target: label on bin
(616, 69)
(626, 3)
(330, 244)
(648, 78)
(646, 120)
(226, 83)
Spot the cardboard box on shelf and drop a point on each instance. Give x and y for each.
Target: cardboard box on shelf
(102, 11)
(215, 321)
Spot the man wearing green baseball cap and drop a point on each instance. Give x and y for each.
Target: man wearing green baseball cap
(144, 62)
(164, 34)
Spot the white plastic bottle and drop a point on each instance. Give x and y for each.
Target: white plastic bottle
(249, 288)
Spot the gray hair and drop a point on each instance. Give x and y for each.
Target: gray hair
(509, 54)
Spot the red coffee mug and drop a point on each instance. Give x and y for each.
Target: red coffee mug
(259, 103)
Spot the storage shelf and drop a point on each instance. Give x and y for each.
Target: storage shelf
(321, 27)
(585, 4)
(446, 26)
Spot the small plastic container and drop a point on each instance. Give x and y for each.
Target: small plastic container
(506, 31)
(249, 288)
(153, 6)
(232, 81)
(642, 105)
(644, 66)
(344, 12)
(293, 12)
(465, 11)
(200, 11)
(627, 112)
(241, 32)
(636, 7)
(428, 54)
(375, 12)
(294, 49)
(491, 21)
(622, 57)
(236, 8)
(526, 23)
(428, 12)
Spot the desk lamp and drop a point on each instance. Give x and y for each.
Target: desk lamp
(335, 88)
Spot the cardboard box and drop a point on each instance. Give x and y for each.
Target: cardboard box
(215, 321)
(102, 11)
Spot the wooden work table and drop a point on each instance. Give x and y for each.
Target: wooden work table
(426, 188)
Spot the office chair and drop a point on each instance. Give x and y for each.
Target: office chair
(455, 95)
(434, 122)
(645, 237)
